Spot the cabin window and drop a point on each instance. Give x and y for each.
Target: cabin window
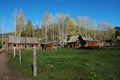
(14, 45)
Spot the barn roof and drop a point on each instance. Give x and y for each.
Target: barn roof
(73, 38)
(13, 39)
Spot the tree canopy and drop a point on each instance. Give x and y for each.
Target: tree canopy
(60, 26)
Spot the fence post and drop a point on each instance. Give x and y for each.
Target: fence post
(34, 61)
(20, 55)
(14, 51)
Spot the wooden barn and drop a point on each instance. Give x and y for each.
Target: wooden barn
(89, 42)
(23, 42)
(81, 42)
(73, 42)
(50, 45)
(47, 46)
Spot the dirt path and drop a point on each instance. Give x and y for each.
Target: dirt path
(7, 70)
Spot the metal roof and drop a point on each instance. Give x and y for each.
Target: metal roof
(73, 38)
(13, 39)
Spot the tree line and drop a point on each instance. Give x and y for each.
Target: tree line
(58, 27)
(61, 26)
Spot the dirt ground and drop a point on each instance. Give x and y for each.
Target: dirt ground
(7, 70)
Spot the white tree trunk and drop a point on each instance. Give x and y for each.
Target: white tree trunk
(46, 34)
(60, 35)
(34, 62)
(53, 34)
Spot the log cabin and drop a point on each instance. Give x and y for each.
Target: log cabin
(23, 42)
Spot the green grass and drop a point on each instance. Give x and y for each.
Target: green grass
(72, 64)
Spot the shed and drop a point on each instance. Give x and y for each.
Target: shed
(73, 42)
(50, 45)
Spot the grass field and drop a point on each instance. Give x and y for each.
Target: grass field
(72, 64)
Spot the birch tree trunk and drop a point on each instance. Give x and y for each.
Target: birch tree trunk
(53, 33)
(59, 35)
(34, 62)
(46, 34)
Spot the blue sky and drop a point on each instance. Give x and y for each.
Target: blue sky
(98, 10)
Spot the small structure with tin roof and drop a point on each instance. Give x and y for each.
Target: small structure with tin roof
(73, 42)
